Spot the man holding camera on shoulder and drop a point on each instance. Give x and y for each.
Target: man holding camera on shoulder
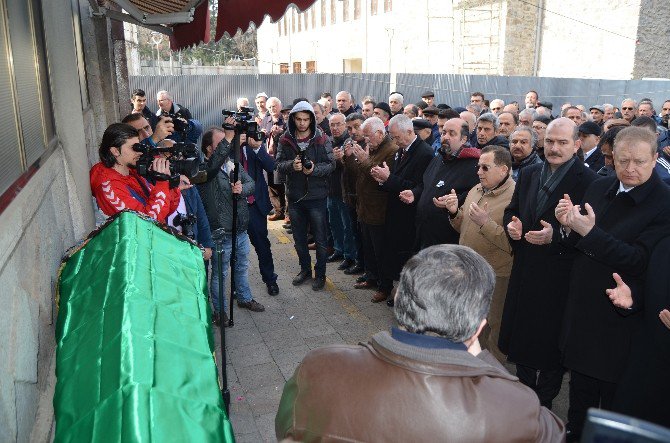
(218, 194)
(116, 185)
(305, 156)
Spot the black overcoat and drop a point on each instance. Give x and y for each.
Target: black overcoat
(400, 217)
(596, 336)
(538, 286)
(644, 391)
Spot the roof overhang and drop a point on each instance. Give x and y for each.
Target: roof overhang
(187, 21)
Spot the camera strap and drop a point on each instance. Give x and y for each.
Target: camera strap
(143, 186)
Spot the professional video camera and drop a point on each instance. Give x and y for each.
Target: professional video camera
(180, 122)
(186, 222)
(244, 123)
(184, 160)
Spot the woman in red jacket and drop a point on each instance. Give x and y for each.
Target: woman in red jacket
(116, 185)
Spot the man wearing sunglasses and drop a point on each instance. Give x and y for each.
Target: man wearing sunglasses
(629, 109)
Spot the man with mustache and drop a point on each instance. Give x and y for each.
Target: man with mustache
(538, 286)
(522, 148)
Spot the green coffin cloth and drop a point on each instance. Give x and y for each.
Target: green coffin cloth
(135, 352)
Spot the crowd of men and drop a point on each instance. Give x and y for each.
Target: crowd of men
(566, 209)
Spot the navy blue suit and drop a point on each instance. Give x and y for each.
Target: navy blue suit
(194, 206)
(258, 225)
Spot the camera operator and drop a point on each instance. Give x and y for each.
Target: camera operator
(116, 185)
(273, 125)
(305, 156)
(217, 194)
(189, 202)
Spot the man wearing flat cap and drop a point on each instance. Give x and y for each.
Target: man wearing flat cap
(383, 111)
(423, 129)
(597, 114)
(428, 97)
(431, 113)
(589, 134)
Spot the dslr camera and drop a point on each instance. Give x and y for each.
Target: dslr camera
(244, 123)
(306, 162)
(181, 123)
(184, 160)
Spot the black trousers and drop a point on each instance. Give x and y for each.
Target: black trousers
(373, 249)
(587, 392)
(258, 234)
(545, 383)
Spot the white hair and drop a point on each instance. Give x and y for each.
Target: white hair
(402, 122)
(397, 97)
(165, 93)
(242, 101)
(374, 123)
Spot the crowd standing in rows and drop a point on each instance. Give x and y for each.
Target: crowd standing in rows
(567, 210)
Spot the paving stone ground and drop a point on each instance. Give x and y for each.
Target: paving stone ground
(264, 348)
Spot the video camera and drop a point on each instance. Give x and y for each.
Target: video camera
(184, 160)
(244, 123)
(186, 222)
(180, 122)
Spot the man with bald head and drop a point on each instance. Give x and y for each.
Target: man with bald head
(538, 286)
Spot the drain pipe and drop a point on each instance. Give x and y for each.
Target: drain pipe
(538, 36)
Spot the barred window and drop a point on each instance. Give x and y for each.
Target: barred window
(283, 68)
(373, 7)
(387, 5)
(357, 9)
(311, 66)
(345, 10)
(26, 116)
(333, 12)
(297, 67)
(323, 13)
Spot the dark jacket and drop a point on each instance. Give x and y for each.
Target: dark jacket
(498, 140)
(217, 194)
(643, 390)
(151, 117)
(256, 164)
(389, 391)
(596, 160)
(538, 286)
(532, 159)
(201, 231)
(596, 336)
(349, 176)
(335, 179)
(400, 217)
(372, 200)
(300, 186)
(458, 173)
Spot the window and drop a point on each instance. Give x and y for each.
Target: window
(373, 7)
(279, 27)
(313, 15)
(297, 67)
(311, 67)
(333, 12)
(299, 19)
(323, 13)
(283, 68)
(293, 20)
(285, 20)
(26, 121)
(345, 11)
(306, 14)
(387, 5)
(357, 9)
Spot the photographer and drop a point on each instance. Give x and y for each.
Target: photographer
(217, 195)
(116, 185)
(189, 217)
(305, 156)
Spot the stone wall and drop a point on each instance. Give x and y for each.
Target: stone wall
(589, 39)
(520, 38)
(652, 52)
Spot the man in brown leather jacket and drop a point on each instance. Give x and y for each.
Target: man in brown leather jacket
(427, 380)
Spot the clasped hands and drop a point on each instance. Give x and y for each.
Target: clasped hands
(571, 218)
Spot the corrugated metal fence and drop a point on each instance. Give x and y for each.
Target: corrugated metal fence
(207, 95)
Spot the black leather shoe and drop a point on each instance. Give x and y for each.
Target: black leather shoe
(286, 225)
(318, 283)
(335, 256)
(390, 303)
(273, 288)
(289, 231)
(251, 305)
(302, 277)
(357, 268)
(346, 264)
(362, 278)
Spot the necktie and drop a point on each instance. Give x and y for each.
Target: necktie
(250, 199)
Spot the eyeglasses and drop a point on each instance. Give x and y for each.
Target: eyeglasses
(627, 109)
(485, 168)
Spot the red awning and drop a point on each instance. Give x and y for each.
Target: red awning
(238, 14)
(189, 34)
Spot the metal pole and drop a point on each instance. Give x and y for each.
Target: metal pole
(225, 393)
(233, 251)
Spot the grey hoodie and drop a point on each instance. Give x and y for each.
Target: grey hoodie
(318, 148)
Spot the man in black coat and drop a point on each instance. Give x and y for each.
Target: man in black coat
(538, 286)
(627, 214)
(455, 167)
(407, 171)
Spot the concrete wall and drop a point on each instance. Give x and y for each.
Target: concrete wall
(51, 213)
(587, 49)
(653, 49)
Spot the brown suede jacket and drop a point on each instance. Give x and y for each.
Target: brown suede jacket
(388, 391)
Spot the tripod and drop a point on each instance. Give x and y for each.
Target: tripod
(233, 260)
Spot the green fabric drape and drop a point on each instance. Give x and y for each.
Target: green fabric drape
(135, 351)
